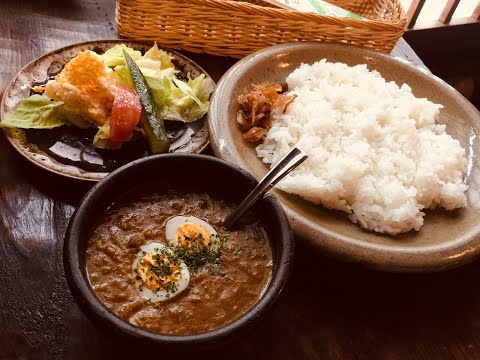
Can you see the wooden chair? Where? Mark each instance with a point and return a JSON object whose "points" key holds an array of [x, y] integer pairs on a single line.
{"points": [[445, 18], [449, 47]]}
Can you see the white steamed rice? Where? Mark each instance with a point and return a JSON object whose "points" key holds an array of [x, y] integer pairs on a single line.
{"points": [[374, 149]]}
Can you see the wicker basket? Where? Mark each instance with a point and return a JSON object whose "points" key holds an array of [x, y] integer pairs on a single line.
{"points": [[238, 28]]}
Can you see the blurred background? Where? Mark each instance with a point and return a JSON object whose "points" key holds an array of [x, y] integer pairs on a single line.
{"points": [[446, 36]]}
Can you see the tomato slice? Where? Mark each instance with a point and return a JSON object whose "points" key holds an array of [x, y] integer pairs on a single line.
{"points": [[125, 115]]}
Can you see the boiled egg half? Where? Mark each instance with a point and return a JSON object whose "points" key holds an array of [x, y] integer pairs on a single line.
{"points": [[191, 233], [159, 273]]}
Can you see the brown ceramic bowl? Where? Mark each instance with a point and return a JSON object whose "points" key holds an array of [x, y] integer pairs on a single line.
{"points": [[446, 240], [134, 176]]}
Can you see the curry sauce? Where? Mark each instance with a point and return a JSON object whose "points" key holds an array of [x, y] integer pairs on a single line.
{"points": [[219, 291]]}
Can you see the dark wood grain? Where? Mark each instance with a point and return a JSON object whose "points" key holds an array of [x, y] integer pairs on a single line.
{"points": [[329, 309]]}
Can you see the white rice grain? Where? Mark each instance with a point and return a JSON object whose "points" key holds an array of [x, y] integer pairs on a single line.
{"points": [[374, 149]]}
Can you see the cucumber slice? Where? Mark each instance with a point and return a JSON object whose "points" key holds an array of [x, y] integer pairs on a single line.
{"points": [[152, 124]]}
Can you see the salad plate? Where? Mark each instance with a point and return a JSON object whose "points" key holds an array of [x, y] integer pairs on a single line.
{"points": [[69, 150]]}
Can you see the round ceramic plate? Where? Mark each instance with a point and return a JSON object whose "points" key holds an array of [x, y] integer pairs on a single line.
{"points": [[68, 151], [447, 239]]}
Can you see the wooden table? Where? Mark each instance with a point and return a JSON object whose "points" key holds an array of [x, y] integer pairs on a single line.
{"points": [[329, 309]]}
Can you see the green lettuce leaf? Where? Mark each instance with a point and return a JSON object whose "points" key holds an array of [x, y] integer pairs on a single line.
{"points": [[122, 75], [75, 119], [175, 99], [114, 56], [101, 137], [35, 112], [156, 55], [161, 88], [187, 102], [154, 64]]}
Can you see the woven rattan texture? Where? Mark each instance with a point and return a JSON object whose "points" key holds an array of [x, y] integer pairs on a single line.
{"points": [[238, 28]]}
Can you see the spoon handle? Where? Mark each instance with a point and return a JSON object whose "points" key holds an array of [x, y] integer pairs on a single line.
{"points": [[289, 162]]}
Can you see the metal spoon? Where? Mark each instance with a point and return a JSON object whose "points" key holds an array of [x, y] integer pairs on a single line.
{"points": [[290, 161]]}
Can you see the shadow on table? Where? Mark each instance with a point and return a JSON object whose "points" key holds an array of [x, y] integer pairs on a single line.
{"points": [[16, 171]]}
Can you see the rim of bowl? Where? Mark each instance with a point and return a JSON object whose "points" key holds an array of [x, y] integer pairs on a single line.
{"points": [[94, 308]]}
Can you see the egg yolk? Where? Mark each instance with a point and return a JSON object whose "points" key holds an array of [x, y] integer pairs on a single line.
{"points": [[158, 271], [191, 235]]}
